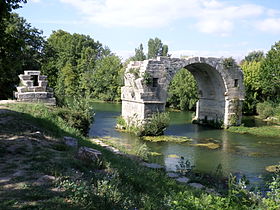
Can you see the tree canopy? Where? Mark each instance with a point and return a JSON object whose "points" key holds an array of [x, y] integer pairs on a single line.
{"points": [[21, 48]]}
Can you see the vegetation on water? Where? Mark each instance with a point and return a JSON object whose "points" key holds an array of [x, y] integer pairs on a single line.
{"points": [[154, 126], [178, 139], [265, 131]]}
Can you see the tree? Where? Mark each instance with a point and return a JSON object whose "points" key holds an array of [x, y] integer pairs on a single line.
{"points": [[270, 74], [156, 48], [182, 91], [252, 83], [106, 79], [64, 50], [254, 56], [139, 54], [21, 48]]}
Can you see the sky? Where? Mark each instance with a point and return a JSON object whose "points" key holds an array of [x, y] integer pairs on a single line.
{"points": [[217, 28]]}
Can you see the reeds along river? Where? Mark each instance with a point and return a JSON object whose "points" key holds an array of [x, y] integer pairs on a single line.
{"points": [[238, 154]]}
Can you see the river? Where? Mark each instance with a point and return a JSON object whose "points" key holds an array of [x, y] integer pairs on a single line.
{"points": [[239, 154]]}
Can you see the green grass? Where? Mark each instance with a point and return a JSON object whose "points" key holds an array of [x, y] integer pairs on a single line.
{"points": [[272, 131]]}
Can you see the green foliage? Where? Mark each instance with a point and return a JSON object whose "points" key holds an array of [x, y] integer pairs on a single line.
{"points": [[272, 201], [156, 124], [265, 109], [106, 80], [20, 48], [252, 83], [139, 54], [182, 91], [229, 63], [147, 78], [142, 151], [156, 48], [254, 56], [270, 74]]}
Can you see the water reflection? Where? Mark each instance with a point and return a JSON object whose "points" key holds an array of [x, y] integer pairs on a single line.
{"points": [[237, 153]]}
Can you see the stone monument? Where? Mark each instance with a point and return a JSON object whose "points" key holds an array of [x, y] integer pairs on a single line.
{"points": [[33, 88]]}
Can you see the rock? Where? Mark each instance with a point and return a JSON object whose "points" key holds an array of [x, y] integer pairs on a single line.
{"points": [[172, 175], [89, 154], [197, 185], [152, 165], [212, 191], [18, 174], [44, 180], [183, 179], [70, 141], [273, 168]]}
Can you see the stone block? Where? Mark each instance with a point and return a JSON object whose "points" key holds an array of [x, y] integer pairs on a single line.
{"points": [[24, 77], [43, 83], [22, 89], [30, 72], [42, 78], [89, 155], [70, 141], [41, 95]]}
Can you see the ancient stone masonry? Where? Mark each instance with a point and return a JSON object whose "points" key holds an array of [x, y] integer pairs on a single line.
{"points": [[33, 88], [220, 88]]}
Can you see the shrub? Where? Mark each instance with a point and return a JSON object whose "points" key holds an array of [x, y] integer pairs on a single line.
{"points": [[78, 113], [156, 125], [265, 109]]}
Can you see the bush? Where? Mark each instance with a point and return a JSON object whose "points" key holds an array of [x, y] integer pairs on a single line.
{"points": [[156, 125], [78, 113], [265, 109]]}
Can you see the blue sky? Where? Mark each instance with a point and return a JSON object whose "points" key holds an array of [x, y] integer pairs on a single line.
{"points": [[189, 27]]}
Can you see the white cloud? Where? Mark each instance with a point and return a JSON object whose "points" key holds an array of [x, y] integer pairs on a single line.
{"points": [[209, 16], [269, 25], [35, 1]]}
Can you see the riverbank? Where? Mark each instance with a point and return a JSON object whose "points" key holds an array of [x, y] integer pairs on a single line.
{"points": [[39, 171]]}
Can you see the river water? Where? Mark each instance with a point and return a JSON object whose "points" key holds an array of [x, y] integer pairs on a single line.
{"points": [[239, 154]]}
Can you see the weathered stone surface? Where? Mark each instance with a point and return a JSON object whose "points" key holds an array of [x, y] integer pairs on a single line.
{"points": [[197, 185], [172, 175], [153, 165], [89, 154], [45, 180], [70, 141], [221, 90], [34, 88], [183, 179]]}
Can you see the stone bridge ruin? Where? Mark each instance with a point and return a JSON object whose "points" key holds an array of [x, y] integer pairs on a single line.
{"points": [[220, 89]]}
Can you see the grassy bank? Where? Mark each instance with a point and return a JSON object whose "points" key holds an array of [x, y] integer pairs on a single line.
{"points": [[31, 148], [272, 131]]}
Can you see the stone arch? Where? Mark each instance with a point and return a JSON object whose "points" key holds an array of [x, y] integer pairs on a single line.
{"points": [[221, 89]]}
